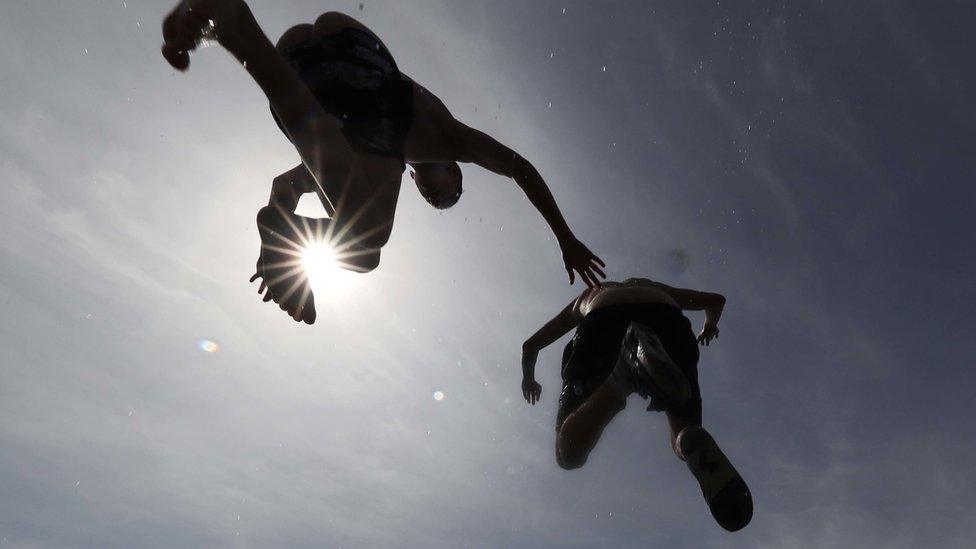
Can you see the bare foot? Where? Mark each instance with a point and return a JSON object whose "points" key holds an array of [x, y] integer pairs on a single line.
{"points": [[280, 267]]}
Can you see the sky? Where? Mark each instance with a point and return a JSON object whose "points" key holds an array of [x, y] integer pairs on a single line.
{"points": [[812, 162]]}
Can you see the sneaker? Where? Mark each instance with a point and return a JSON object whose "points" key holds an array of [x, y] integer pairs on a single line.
{"points": [[644, 363], [726, 494]]}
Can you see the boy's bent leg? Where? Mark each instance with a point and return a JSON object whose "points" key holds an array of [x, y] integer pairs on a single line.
{"points": [[580, 431], [681, 417], [636, 370]]}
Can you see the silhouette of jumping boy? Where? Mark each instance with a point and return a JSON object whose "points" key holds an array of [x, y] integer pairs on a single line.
{"points": [[356, 121], [631, 337]]}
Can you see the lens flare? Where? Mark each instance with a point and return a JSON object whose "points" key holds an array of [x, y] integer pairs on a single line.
{"points": [[208, 346]]}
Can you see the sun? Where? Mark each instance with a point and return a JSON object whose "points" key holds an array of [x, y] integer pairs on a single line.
{"points": [[319, 262]]}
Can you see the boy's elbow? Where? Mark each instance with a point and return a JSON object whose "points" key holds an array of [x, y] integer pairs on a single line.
{"points": [[521, 169]]}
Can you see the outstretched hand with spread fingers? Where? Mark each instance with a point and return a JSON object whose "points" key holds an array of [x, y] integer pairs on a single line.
{"points": [[579, 259]]}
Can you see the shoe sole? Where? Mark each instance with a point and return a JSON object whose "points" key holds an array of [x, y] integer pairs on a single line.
{"points": [[726, 493], [658, 375]]}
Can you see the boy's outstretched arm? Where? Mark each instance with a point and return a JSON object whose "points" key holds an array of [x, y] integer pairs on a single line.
{"points": [[314, 132], [693, 300], [482, 149], [565, 321]]}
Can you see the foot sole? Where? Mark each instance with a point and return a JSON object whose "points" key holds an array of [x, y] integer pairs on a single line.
{"points": [[281, 264], [726, 493]]}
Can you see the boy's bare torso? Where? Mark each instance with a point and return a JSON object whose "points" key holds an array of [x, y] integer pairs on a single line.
{"points": [[621, 293]]}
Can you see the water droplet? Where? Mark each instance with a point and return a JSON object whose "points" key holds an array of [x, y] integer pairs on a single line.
{"points": [[438, 396]]}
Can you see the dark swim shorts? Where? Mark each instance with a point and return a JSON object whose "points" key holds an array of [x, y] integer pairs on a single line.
{"points": [[592, 353], [354, 78]]}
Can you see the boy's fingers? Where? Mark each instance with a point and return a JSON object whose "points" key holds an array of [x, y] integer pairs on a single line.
{"points": [[586, 277]]}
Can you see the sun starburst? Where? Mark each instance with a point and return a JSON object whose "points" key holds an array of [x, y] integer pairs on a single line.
{"points": [[304, 255]]}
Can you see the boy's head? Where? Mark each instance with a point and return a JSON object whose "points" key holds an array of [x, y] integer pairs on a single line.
{"points": [[439, 183]]}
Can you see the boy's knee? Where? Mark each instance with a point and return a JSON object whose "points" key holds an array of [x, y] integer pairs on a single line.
{"points": [[332, 21], [570, 464], [568, 458], [295, 35], [689, 439]]}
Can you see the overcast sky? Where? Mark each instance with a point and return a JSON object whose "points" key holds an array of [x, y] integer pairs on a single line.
{"points": [[813, 163]]}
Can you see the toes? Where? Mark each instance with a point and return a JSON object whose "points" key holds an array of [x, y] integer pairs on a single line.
{"points": [[308, 315]]}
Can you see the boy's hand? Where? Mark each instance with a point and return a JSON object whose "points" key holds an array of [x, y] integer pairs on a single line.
{"points": [[185, 26], [579, 259], [709, 332], [531, 390]]}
